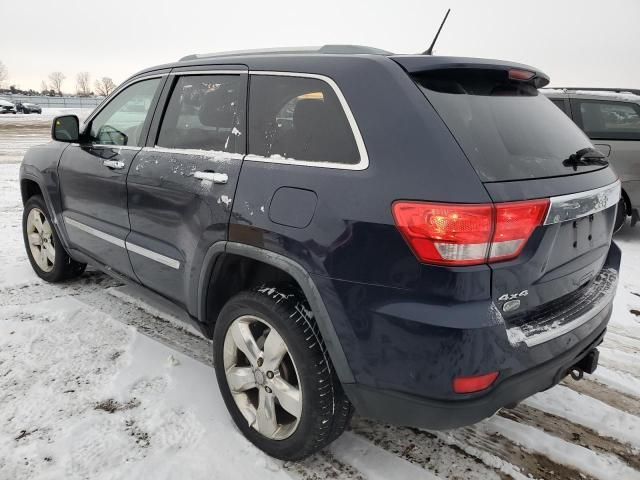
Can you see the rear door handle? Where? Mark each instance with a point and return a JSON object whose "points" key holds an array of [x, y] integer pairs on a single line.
{"points": [[212, 177], [113, 164]]}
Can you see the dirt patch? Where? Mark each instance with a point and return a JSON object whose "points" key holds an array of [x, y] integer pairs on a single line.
{"points": [[113, 406], [571, 432], [24, 434], [142, 438]]}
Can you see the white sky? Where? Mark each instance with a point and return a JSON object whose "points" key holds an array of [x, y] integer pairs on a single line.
{"points": [[577, 43]]}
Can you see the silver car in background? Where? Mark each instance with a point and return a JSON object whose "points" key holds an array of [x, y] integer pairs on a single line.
{"points": [[611, 119], [7, 107]]}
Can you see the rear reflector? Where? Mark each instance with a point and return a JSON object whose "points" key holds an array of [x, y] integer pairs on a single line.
{"points": [[467, 234], [474, 384]]}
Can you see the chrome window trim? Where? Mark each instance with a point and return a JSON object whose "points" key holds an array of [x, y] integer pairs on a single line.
{"points": [[186, 73], [564, 208], [215, 154], [168, 261], [363, 164], [113, 95], [119, 147], [95, 232]]}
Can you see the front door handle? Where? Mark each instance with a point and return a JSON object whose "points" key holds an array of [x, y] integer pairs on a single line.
{"points": [[113, 164], [212, 177]]}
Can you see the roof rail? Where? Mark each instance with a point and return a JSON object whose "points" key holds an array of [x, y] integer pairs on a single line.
{"points": [[326, 49], [635, 91]]}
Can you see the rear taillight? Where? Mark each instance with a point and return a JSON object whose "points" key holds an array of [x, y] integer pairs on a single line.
{"points": [[467, 234]]}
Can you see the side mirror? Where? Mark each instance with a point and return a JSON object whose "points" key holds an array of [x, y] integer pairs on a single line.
{"points": [[66, 128]]}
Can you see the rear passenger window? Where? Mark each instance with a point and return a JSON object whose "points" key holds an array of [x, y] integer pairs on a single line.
{"points": [[299, 118], [205, 112], [610, 120]]}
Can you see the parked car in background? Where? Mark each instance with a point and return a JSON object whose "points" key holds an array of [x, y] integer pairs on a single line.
{"points": [[611, 119], [28, 108], [425, 250], [7, 107]]}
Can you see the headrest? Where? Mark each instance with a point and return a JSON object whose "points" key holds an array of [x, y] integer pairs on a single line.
{"points": [[311, 113], [216, 110]]}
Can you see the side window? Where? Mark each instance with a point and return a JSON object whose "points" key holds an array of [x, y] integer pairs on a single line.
{"points": [[121, 121], [560, 103], [205, 112], [298, 119], [609, 120]]}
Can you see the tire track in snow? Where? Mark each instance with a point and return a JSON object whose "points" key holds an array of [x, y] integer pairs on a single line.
{"points": [[425, 450], [604, 393], [571, 432], [589, 412], [497, 451], [554, 449], [321, 466], [38, 291]]}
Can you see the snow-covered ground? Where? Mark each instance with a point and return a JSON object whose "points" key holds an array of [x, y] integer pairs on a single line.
{"points": [[19, 132], [95, 383]]}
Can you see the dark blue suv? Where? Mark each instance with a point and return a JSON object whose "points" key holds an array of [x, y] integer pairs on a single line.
{"points": [[422, 239]]}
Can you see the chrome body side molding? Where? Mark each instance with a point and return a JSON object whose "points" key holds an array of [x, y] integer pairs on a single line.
{"points": [[131, 247]]}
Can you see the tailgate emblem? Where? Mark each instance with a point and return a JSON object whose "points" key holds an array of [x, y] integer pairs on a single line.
{"points": [[513, 296], [512, 300], [511, 305]]}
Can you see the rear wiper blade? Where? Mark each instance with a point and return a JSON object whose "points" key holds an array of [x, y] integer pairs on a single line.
{"points": [[585, 156]]}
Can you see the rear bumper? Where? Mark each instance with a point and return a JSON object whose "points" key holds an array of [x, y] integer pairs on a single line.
{"points": [[405, 349], [404, 409]]}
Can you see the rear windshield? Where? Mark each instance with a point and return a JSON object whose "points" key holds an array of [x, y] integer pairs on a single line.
{"points": [[507, 129]]}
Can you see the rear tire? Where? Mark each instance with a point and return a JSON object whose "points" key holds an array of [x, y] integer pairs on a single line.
{"points": [[323, 410], [45, 251]]}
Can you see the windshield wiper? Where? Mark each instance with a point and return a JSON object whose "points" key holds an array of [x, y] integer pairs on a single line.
{"points": [[585, 156]]}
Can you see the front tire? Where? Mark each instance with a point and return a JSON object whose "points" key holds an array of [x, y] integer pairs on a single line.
{"points": [[45, 251], [275, 376]]}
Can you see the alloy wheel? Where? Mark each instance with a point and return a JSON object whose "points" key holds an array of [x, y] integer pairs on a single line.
{"points": [[262, 377], [41, 241]]}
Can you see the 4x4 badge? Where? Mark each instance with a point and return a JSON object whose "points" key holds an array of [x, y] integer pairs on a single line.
{"points": [[513, 296]]}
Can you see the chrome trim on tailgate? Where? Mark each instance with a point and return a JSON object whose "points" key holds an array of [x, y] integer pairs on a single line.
{"points": [[538, 333], [578, 205]]}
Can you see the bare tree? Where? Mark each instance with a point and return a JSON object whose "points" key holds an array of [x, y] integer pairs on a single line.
{"points": [[56, 79], [4, 73], [44, 87], [105, 86], [82, 84]]}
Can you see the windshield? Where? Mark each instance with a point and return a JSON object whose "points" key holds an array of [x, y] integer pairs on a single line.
{"points": [[507, 129]]}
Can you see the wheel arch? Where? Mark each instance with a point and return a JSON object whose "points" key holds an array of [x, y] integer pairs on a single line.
{"points": [[231, 267], [29, 188]]}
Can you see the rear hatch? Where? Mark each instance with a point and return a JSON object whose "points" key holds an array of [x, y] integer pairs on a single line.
{"points": [[523, 148]]}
